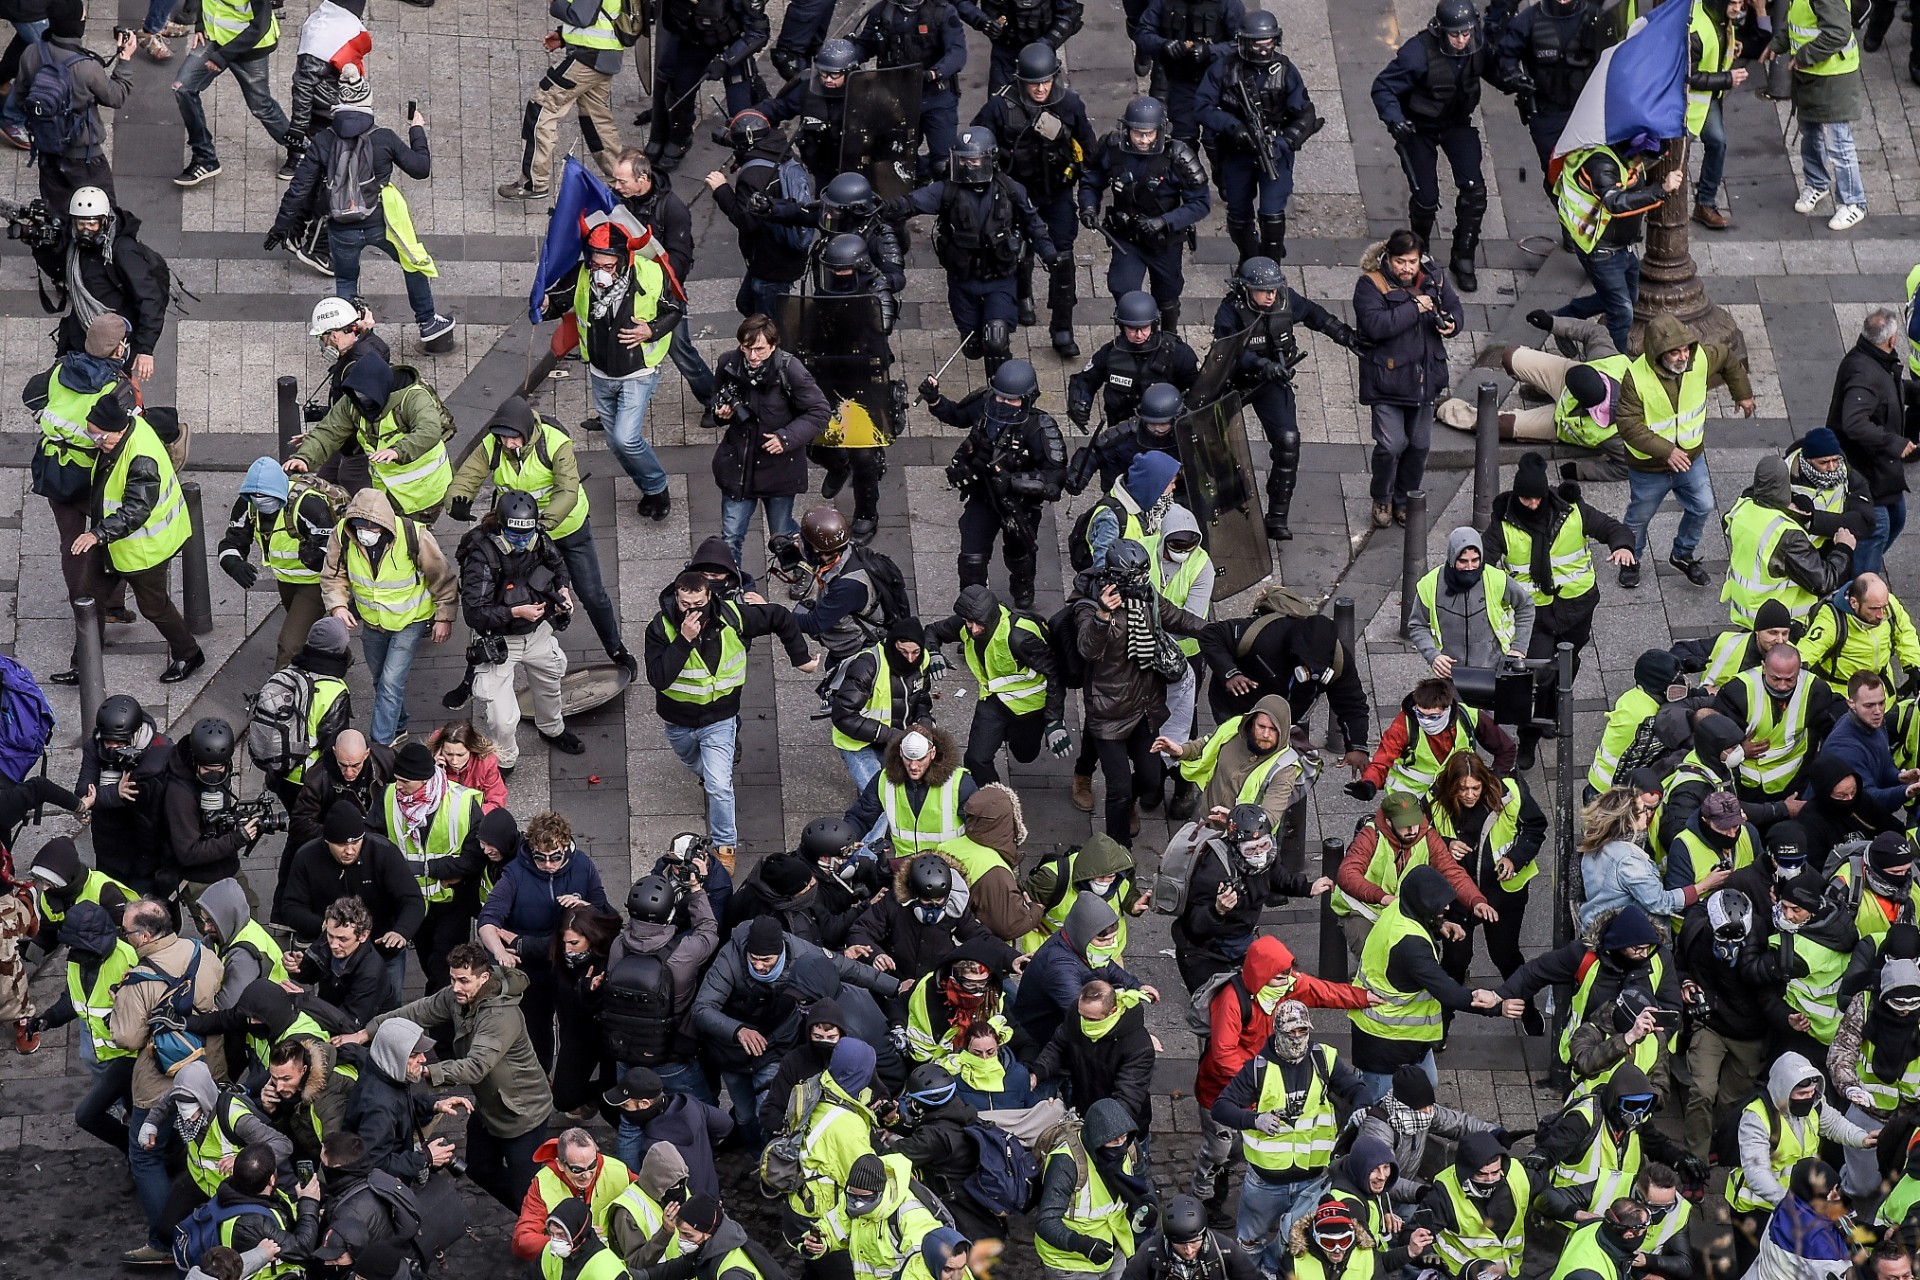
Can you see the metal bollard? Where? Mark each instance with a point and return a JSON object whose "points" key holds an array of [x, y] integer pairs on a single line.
{"points": [[1563, 843], [1293, 840], [1343, 631], [287, 395], [1334, 965], [1413, 555], [88, 661], [196, 597], [1486, 455]]}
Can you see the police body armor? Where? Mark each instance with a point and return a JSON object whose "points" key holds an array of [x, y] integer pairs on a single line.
{"points": [[1138, 183], [1559, 56], [979, 243], [1131, 370], [907, 36], [1270, 333], [821, 126], [1267, 87], [1450, 90], [1046, 168], [711, 24], [1027, 21], [1198, 20]]}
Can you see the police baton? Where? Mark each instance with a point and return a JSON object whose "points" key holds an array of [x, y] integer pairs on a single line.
{"points": [[935, 375]]}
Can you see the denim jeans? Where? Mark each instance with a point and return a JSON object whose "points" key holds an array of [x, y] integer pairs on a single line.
{"points": [[708, 754], [346, 242], [151, 1184], [157, 13], [1615, 275], [1713, 156], [736, 514], [397, 977], [692, 365], [11, 111], [1402, 436], [862, 765], [389, 657], [1829, 161], [109, 1082], [1267, 1214], [589, 588], [687, 1078], [622, 406], [1889, 518], [748, 1090], [1692, 487], [1380, 1083], [251, 75]]}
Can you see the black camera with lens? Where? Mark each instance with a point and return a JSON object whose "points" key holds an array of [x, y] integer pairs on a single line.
{"points": [[32, 224], [263, 808], [733, 396], [457, 1167], [786, 557]]}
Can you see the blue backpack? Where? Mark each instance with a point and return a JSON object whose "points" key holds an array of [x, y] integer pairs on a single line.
{"points": [[173, 1045], [1007, 1179], [53, 121], [26, 721], [199, 1231], [796, 184]]}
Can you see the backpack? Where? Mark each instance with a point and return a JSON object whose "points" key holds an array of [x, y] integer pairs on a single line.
{"points": [[55, 123], [1007, 1178], [349, 175], [1269, 605], [889, 589], [1177, 865], [173, 1045], [632, 23], [1726, 1128], [796, 184], [199, 1231], [277, 717], [1062, 635], [26, 721], [637, 1014], [780, 1171], [1200, 1006]]}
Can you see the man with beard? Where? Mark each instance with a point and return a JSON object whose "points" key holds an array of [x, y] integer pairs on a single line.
{"points": [[1248, 760], [1468, 613]]}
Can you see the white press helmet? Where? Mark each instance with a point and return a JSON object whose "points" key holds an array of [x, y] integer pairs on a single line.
{"points": [[90, 202], [330, 314]]}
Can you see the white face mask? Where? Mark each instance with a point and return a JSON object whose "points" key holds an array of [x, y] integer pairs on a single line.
{"points": [[560, 1246], [1735, 758], [1177, 555], [366, 537], [602, 278], [1432, 722]]}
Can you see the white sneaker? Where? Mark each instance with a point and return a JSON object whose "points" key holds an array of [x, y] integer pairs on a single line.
{"points": [[1809, 200], [1847, 215]]}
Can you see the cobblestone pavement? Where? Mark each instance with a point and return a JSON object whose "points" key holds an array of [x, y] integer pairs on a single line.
{"points": [[1797, 291]]}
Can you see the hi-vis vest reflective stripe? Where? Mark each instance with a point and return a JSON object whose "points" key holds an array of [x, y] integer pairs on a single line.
{"points": [[1803, 27], [1493, 583], [1582, 211], [1177, 588], [1578, 426], [1753, 535], [1095, 1212], [1400, 1015], [1583, 995], [165, 529], [1817, 995], [613, 1179], [216, 1142], [1130, 526], [601, 34], [1690, 769], [95, 1004], [224, 20], [526, 472], [936, 821], [446, 832], [1633, 709], [63, 423], [1497, 836], [1729, 657], [699, 684], [647, 1216], [1419, 764], [1789, 1149], [96, 883], [1685, 426], [280, 548], [1383, 869], [1307, 1140], [1605, 1169], [1784, 732], [1884, 1095], [1716, 56], [606, 1264], [414, 486], [1702, 859], [1569, 561], [879, 704], [1199, 771], [395, 596], [1471, 1237], [326, 691], [1021, 690], [648, 281]]}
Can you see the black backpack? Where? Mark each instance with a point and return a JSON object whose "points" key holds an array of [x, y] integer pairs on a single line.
{"points": [[890, 601], [53, 121], [1063, 635], [637, 1014], [1079, 549]]}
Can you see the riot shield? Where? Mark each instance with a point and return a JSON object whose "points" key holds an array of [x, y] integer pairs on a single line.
{"points": [[879, 133], [1216, 371], [1221, 493], [841, 342]]}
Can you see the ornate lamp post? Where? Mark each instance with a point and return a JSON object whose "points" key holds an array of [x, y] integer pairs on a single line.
{"points": [[1670, 281]]}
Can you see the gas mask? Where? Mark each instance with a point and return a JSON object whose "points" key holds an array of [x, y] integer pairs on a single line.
{"points": [[1257, 853], [1633, 1110], [1431, 722], [1727, 940], [929, 913], [1301, 675]]}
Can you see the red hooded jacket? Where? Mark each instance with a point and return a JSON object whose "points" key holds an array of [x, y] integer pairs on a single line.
{"points": [[530, 1231], [1235, 1040]]}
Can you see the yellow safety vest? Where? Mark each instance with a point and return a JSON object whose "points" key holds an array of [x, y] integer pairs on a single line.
{"points": [[1784, 732], [648, 1217], [1021, 690], [1816, 996], [395, 596], [1789, 1148], [326, 691], [698, 683], [612, 1183], [1753, 535], [1497, 836], [1885, 1096], [1493, 584], [599, 35], [922, 828], [1419, 764], [1837, 644], [1199, 770], [1633, 709], [1307, 1140], [414, 486], [1584, 1252], [1702, 858], [1729, 657], [1582, 211], [90, 890], [1362, 1264], [446, 832], [280, 540], [1578, 426], [216, 1142], [1875, 915], [1401, 1015], [528, 472], [1684, 427], [648, 281], [1569, 562], [1832, 499], [879, 703], [254, 937], [224, 20], [1471, 1237], [1716, 56], [1913, 348], [1177, 588], [165, 529], [1383, 869], [94, 1004], [1605, 1169], [606, 1264], [1095, 1212], [63, 423], [1690, 769], [1803, 27]]}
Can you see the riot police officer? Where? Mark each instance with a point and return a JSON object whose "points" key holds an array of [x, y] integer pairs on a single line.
{"points": [[984, 223], [1043, 132], [1255, 109], [1159, 191], [1012, 26], [819, 102], [1545, 57], [700, 40], [1426, 97], [1140, 354], [847, 206], [846, 268], [1260, 301], [925, 34], [1012, 462], [1111, 452], [1183, 37]]}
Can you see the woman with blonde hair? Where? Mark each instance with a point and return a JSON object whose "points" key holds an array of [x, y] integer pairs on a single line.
{"points": [[469, 758], [1615, 870]]}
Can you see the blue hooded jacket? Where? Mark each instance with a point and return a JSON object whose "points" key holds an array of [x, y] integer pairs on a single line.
{"points": [[527, 898]]}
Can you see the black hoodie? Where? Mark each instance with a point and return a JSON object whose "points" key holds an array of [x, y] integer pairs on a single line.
{"points": [[1414, 965], [127, 834], [310, 180], [1566, 1136], [1277, 650], [199, 856]]}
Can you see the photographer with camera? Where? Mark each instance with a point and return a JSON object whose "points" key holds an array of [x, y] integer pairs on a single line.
{"points": [[70, 145], [769, 409], [96, 264], [208, 829], [515, 591], [653, 971]]}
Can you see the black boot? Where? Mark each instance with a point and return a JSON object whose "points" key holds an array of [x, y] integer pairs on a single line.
{"points": [[1062, 332], [1020, 574], [1217, 1216], [1170, 317], [1245, 238], [973, 570], [1465, 242], [1273, 237], [1185, 799], [1024, 299], [1280, 484], [1420, 220]]}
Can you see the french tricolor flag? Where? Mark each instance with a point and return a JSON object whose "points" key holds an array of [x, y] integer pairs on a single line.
{"points": [[1638, 86]]}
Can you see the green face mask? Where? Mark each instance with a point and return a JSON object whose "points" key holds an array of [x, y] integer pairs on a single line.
{"points": [[1098, 954]]}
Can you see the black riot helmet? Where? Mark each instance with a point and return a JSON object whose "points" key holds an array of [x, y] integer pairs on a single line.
{"points": [[974, 157], [210, 747], [747, 131], [1016, 379], [1141, 116], [836, 58], [827, 838], [1136, 309], [929, 878], [1260, 273], [930, 1086], [1160, 403], [1037, 64], [118, 719], [845, 252], [1259, 39], [1455, 17], [651, 900], [1185, 1220], [850, 192]]}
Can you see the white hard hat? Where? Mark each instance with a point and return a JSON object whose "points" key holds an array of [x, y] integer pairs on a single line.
{"points": [[89, 202], [330, 314]]}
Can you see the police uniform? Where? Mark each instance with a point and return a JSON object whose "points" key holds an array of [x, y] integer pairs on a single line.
{"points": [[1113, 450], [980, 237], [864, 466], [821, 115], [926, 35], [1011, 25], [1153, 200], [1427, 96], [1031, 458], [1284, 119], [1184, 38], [1122, 372], [1049, 169], [1546, 55], [694, 34]]}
